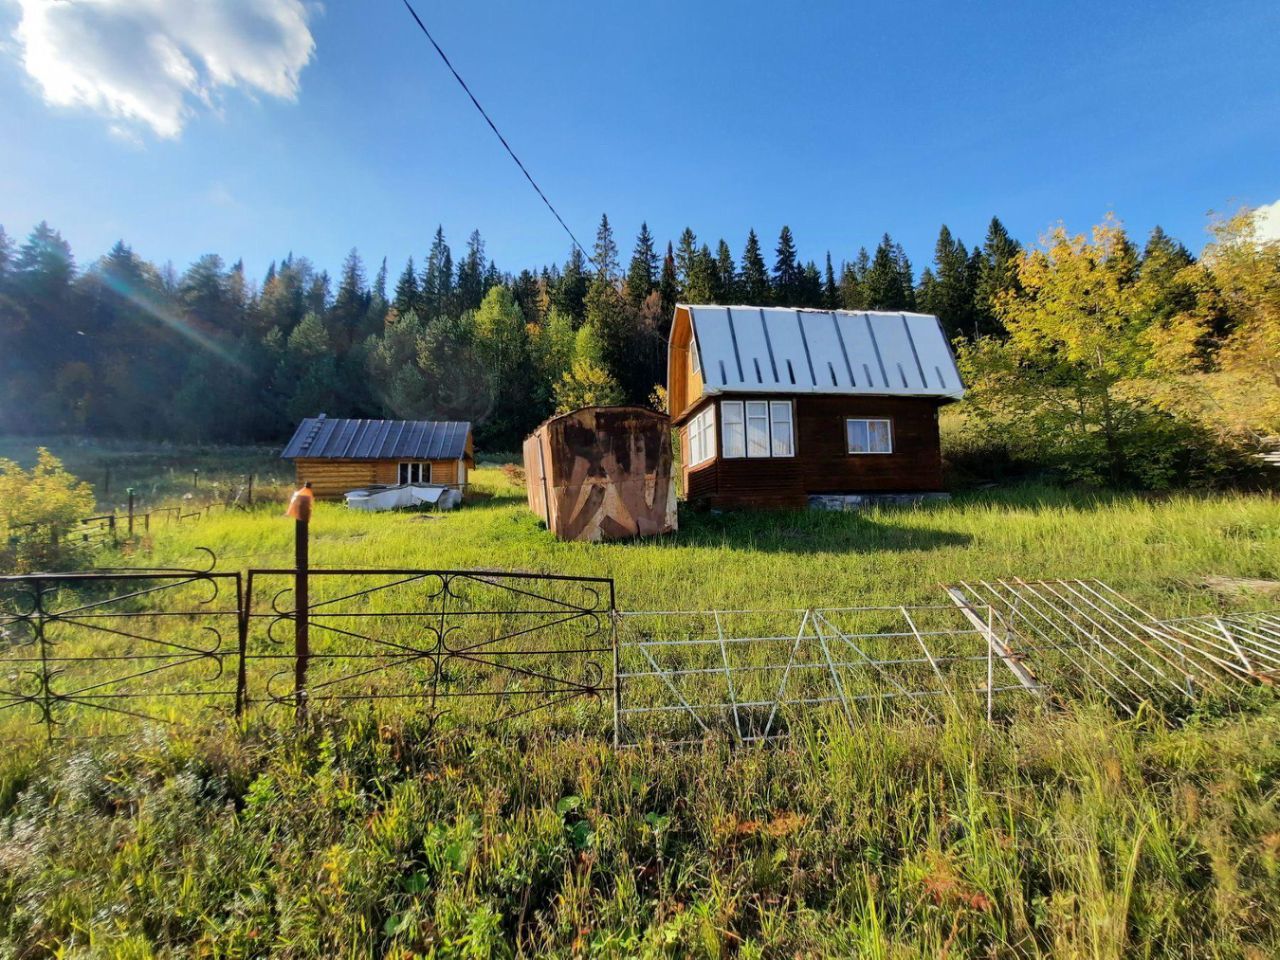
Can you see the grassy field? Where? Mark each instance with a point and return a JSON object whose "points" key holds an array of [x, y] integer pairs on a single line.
{"points": [[1054, 833]]}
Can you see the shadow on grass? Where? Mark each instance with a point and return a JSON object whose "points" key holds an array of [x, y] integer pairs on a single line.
{"points": [[808, 531]]}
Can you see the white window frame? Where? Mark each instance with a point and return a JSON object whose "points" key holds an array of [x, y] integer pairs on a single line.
{"points": [[758, 413], [735, 428], [887, 421], [694, 359], [702, 436], [775, 408], [414, 471]]}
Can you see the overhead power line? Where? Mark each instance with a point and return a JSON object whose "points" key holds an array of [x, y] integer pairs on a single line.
{"points": [[496, 132]]}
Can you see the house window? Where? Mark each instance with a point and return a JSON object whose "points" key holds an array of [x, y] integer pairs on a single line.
{"points": [[702, 437], [694, 359], [757, 428], [780, 428], [734, 428], [870, 435], [415, 473]]}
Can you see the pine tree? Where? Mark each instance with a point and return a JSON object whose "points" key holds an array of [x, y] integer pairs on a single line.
{"points": [[528, 293], [407, 299], [726, 285], [755, 279], [810, 286], [642, 274], [852, 294], [787, 274], [605, 254]]}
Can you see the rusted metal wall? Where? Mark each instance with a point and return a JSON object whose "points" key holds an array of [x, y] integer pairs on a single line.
{"points": [[602, 473]]}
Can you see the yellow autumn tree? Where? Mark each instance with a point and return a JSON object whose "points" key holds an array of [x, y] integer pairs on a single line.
{"points": [[1074, 384], [35, 506]]}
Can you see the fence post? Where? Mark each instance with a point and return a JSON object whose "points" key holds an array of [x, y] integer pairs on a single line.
{"points": [[195, 479], [300, 510], [249, 496], [111, 526], [130, 492]]}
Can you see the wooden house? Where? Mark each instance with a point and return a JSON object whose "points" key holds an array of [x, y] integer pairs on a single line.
{"points": [[341, 455], [776, 406], [602, 473]]}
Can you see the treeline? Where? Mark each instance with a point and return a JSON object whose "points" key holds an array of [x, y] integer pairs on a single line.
{"points": [[1114, 361], [129, 348]]}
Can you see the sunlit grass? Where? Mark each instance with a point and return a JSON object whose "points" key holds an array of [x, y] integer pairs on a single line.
{"points": [[1052, 833]]}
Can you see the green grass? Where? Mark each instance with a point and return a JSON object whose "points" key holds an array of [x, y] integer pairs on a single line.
{"points": [[1053, 833]]}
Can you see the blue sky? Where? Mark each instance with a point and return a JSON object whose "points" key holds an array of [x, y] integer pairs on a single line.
{"points": [[842, 120]]}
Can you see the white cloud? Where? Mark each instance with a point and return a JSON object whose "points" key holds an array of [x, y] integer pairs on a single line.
{"points": [[153, 62], [1266, 220]]}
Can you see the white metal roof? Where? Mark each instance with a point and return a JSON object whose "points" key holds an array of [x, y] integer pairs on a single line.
{"points": [[781, 350]]}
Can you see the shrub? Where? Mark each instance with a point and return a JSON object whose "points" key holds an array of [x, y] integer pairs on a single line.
{"points": [[37, 507]]}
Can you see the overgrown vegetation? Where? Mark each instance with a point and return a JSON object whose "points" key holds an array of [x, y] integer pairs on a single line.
{"points": [[1057, 834], [37, 509], [1128, 369]]}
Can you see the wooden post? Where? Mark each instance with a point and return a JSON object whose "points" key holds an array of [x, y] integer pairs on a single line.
{"points": [[130, 511], [301, 623], [111, 526], [300, 509], [249, 495], [195, 479]]}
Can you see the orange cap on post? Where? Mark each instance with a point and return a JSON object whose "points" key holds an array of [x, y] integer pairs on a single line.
{"points": [[300, 503]]}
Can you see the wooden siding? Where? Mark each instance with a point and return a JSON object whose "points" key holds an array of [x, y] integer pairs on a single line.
{"points": [[822, 463], [330, 479], [686, 384]]}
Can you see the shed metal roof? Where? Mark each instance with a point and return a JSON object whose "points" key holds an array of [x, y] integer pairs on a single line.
{"points": [[334, 439], [783, 350]]}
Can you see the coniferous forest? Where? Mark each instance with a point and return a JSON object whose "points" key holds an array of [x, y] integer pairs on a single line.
{"points": [[120, 347]]}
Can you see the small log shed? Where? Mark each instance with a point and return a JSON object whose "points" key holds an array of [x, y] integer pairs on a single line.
{"points": [[338, 455], [602, 473]]}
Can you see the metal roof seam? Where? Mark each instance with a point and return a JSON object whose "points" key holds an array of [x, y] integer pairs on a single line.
{"points": [[914, 352], [804, 340]]}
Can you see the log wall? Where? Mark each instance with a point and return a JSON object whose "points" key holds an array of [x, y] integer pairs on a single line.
{"points": [[330, 479]]}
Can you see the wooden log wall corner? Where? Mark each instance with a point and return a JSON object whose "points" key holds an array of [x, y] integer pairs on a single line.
{"points": [[602, 473]]}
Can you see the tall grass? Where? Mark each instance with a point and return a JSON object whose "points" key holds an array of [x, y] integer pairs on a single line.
{"points": [[1049, 834]]}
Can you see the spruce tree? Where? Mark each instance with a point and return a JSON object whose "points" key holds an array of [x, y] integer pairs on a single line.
{"points": [[905, 277], [669, 284], [951, 296], [726, 285], [471, 274], [571, 290], [852, 295], [436, 294], [810, 286], [407, 298], [997, 275], [754, 282], [882, 285], [605, 254], [701, 284], [787, 278], [686, 257], [642, 274], [830, 292]]}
